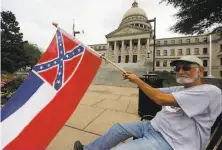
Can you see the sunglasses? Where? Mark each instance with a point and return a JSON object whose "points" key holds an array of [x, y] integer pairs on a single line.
{"points": [[185, 68]]}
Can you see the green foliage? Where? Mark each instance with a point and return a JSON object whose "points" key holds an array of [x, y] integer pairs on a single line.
{"points": [[13, 55], [9, 85], [33, 52], [169, 78], [16, 53], [196, 16]]}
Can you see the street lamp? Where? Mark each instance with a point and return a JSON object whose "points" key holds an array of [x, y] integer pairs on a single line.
{"points": [[75, 32], [154, 41]]}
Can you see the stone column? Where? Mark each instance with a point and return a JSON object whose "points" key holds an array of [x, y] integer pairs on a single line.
{"points": [[115, 52], [131, 52], [148, 47], [108, 50], [122, 53], [138, 50]]}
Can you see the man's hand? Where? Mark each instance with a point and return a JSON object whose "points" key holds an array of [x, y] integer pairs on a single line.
{"points": [[155, 94], [132, 77]]}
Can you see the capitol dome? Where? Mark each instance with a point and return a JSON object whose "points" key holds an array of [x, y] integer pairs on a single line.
{"points": [[135, 11], [135, 16]]}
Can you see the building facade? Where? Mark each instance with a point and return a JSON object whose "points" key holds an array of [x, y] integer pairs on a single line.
{"points": [[132, 42]]}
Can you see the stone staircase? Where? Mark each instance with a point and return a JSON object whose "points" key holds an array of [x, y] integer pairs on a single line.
{"points": [[108, 75]]}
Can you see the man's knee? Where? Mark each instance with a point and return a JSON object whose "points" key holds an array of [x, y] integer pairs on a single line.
{"points": [[116, 127]]}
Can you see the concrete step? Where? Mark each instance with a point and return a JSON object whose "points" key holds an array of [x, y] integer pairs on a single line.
{"points": [[113, 77]]}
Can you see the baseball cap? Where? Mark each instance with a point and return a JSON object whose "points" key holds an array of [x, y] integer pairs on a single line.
{"points": [[189, 59]]}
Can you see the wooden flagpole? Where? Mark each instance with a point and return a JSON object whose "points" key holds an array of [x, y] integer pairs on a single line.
{"points": [[101, 55]]}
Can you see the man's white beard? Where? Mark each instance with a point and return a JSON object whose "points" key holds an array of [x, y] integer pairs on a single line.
{"points": [[186, 80]]}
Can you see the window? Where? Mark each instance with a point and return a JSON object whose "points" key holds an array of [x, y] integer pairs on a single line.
{"points": [[134, 58], [157, 63], [205, 40], [180, 52], [126, 58], [158, 52], [165, 52], [112, 47], [158, 42], [196, 51], [180, 41], [221, 61], [165, 42], [119, 59], [188, 40], [164, 63], [188, 51], [204, 50], [143, 44], [172, 41], [205, 73], [205, 63], [220, 47], [172, 51], [120, 46], [196, 40]]}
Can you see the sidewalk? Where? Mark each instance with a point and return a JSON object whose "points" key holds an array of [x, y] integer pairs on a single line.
{"points": [[101, 107]]}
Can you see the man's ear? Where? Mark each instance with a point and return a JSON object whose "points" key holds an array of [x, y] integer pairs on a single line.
{"points": [[201, 71]]}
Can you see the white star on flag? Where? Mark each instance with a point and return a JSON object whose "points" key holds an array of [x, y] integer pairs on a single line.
{"points": [[58, 81], [41, 67]]}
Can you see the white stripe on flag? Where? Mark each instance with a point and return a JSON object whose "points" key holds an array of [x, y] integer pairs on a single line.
{"points": [[14, 124]]}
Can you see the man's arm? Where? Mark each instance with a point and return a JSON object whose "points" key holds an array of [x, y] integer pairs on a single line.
{"points": [[156, 95]]}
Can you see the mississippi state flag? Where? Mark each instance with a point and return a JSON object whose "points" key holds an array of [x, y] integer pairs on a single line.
{"points": [[50, 94]]}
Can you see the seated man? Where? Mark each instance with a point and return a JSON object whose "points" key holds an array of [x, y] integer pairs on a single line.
{"points": [[184, 123]]}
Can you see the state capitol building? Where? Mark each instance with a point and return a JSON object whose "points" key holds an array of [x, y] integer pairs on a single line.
{"points": [[132, 42]]}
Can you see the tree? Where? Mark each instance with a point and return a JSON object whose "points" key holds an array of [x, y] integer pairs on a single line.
{"points": [[197, 16], [13, 54], [34, 53]]}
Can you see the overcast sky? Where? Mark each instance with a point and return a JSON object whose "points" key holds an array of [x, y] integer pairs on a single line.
{"points": [[96, 17]]}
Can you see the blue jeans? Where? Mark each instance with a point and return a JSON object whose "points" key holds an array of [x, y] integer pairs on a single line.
{"points": [[147, 138]]}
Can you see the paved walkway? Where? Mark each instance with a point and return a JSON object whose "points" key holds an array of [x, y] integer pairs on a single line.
{"points": [[101, 107]]}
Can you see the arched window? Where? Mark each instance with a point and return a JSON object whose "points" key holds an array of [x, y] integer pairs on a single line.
{"points": [[164, 63], [157, 63]]}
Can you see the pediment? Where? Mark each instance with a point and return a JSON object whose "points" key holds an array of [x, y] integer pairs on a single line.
{"points": [[126, 31]]}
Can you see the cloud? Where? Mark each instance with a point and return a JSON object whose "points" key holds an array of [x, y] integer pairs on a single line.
{"points": [[96, 17]]}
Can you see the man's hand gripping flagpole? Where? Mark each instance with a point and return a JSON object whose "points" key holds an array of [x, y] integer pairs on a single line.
{"points": [[101, 55]]}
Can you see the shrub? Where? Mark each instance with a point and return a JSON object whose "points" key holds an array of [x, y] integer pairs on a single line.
{"points": [[169, 78], [9, 84]]}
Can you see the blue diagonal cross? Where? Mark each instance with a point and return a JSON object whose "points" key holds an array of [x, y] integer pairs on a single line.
{"points": [[59, 62]]}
